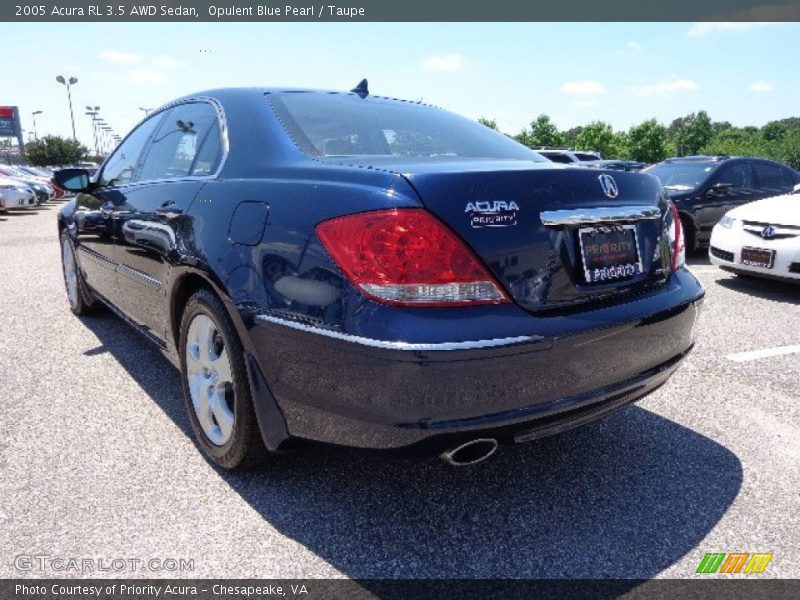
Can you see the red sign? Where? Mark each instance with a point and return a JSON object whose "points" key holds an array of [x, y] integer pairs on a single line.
{"points": [[6, 111]]}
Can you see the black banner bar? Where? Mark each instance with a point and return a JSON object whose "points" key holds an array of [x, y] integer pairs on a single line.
{"points": [[397, 10], [401, 589]]}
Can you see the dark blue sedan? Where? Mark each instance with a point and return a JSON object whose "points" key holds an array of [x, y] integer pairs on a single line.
{"points": [[365, 271]]}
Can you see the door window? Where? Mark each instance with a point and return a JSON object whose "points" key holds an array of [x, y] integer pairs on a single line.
{"points": [[121, 166], [186, 144], [737, 175]]}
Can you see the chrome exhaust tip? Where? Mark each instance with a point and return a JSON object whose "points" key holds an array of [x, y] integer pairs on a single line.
{"points": [[470, 453]]}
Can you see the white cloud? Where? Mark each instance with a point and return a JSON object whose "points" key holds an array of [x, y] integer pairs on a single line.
{"points": [[666, 88], [761, 87], [125, 58], [146, 76], [633, 46], [705, 28], [585, 88], [166, 62], [444, 62], [584, 103]]}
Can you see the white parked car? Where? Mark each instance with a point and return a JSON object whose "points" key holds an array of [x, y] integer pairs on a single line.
{"points": [[760, 238], [17, 194]]}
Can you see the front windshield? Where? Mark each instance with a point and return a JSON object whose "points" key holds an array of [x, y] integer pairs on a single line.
{"points": [[681, 176], [347, 125]]}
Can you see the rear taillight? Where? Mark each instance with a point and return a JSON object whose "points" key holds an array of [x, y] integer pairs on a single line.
{"points": [[408, 257], [677, 242]]}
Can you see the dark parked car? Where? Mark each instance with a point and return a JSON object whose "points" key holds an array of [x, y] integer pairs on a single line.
{"points": [[383, 274], [706, 187]]}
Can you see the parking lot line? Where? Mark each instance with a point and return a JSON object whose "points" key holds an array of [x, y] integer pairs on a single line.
{"points": [[764, 353]]}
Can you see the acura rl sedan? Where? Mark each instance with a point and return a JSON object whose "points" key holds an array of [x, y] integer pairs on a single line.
{"points": [[370, 272]]}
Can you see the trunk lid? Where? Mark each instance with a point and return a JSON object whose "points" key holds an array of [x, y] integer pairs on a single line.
{"points": [[524, 219]]}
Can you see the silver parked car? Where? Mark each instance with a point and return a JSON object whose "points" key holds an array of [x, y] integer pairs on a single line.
{"points": [[17, 194]]}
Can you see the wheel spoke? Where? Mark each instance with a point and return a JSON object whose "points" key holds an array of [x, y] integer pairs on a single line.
{"points": [[223, 414], [207, 339], [223, 367], [202, 404]]}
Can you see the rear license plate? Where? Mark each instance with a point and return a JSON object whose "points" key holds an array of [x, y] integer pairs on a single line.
{"points": [[758, 257], [609, 253]]}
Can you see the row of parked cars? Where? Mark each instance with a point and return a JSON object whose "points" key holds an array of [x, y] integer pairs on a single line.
{"points": [[24, 187]]}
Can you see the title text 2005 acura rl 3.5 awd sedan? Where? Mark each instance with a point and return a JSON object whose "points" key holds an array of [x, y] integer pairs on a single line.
{"points": [[365, 271]]}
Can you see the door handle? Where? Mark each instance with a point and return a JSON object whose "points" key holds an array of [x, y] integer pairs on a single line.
{"points": [[169, 210]]}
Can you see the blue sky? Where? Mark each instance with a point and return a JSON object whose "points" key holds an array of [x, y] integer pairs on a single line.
{"points": [[746, 73]]}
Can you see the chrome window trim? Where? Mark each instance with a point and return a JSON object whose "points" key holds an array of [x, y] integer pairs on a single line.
{"points": [[222, 122], [396, 345], [605, 214]]}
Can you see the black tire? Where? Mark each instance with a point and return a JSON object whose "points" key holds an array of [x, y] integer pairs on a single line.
{"points": [[82, 302], [689, 234], [245, 448]]}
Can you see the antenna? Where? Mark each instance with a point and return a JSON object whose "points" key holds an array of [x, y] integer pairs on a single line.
{"points": [[362, 89]]}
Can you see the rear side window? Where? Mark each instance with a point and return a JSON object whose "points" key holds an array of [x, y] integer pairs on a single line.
{"points": [[186, 144], [119, 170], [773, 176], [345, 125], [586, 156], [558, 157]]}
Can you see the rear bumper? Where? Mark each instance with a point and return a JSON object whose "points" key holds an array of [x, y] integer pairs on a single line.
{"points": [[341, 389]]}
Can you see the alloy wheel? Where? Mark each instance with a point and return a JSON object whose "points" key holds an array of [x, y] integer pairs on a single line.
{"points": [[210, 379]]}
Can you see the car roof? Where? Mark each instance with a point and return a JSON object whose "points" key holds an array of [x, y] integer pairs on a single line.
{"points": [[700, 158]]}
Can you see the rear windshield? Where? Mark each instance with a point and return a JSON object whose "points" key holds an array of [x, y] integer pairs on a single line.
{"points": [[682, 176], [324, 124]]}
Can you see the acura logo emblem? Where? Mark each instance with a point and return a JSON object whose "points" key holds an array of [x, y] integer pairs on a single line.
{"points": [[768, 232], [609, 186]]}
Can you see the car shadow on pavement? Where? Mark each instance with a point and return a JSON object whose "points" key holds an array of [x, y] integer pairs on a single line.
{"points": [[768, 289], [625, 497], [698, 258]]}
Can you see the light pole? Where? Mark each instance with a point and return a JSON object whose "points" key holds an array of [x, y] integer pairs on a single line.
{"points": [[94, 111], [101, 134], [69, 83], [147, 111], [107, 129], [33, 114]]}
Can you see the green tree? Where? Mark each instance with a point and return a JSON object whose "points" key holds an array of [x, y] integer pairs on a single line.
{"points": [[737, 141], [788, 149], [490, 123], [54, 150], [774, 131], [693, 133], [647, 142], [543, 132], [598, 136], [571, 136]]}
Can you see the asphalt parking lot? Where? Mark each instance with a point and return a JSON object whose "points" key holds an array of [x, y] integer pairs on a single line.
{"points": [[96, 460]]}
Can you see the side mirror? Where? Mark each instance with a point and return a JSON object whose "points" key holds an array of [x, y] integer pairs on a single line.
{"points": [[72, 180], [720, 189]]}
